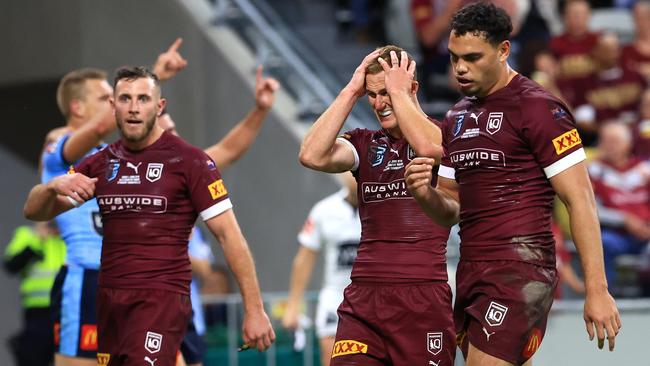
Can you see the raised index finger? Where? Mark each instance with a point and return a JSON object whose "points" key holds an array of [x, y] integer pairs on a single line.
{"points": [[177, 43], [258, 75]]}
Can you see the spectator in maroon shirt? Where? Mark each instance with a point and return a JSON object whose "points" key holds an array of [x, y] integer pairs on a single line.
{"points": [[573, 48], [636, 56]]}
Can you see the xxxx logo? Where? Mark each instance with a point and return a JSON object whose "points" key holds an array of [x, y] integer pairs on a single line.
{"points": [[103, 358], [566, 141], [348, 347], [534, 341]]}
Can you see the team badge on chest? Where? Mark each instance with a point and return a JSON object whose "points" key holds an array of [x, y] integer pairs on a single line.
{"points": [[494, 122], [154, 171]]}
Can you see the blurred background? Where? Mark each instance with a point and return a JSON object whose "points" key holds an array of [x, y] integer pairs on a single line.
{"points": [[595, 55]]}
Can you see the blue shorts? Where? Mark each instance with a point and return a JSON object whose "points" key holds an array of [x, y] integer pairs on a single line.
{"points": [[73, 309], [193, 346]]}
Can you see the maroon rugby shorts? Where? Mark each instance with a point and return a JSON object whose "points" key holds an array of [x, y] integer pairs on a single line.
{"points": [[140, 327], [402, 324], [502, 307]]}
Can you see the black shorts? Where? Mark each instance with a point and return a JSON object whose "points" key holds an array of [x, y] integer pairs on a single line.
{"points": [[193, 346]]}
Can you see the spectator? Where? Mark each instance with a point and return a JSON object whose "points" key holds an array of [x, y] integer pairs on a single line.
{"points": [[622, 186], [613, 93], [36, 254], [642, 128], [636, 55], [573, 48], [431, 21]]}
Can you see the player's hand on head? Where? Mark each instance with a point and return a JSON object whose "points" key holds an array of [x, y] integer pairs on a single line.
{"points": [[76, 186], [357, 83], [399, 75], [602, 318], [257, 331], [265, 89], [170, 62], [418, 176]]}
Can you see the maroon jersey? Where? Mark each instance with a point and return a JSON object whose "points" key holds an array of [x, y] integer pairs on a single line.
{"points": [[574, 61], [641, 131], [398, 240], [613, 94], [624, 189], [633, 59], [149, 200], [574, 55], [502, 150]]}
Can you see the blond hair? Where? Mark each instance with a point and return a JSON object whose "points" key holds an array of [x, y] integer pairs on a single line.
{"points": [[73, 87]]}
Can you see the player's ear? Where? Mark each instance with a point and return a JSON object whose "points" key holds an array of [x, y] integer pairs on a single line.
{"points": [[415, 86], [504, 50], [162, 102], [77, 108]]}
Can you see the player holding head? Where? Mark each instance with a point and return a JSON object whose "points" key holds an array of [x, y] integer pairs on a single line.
{"points": [[151, 186], [397, 310], [510, 146]]}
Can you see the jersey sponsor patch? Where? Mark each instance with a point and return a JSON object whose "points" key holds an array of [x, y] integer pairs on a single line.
{"points": [[347, 253], [378, 191], [133, 203], [348, 347], [533, 343], [434, 342], [88, 341], [217, 189], [566, 141], [103, 358]]}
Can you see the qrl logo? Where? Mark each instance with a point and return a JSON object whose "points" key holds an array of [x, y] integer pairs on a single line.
{"points": [[494, 122], [495, 314], [434, 342], [154, 171], [153, 342]]}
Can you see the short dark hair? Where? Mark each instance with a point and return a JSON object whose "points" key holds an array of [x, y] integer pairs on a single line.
{"points": [[483, 18], [374, 67], [135, 72]]}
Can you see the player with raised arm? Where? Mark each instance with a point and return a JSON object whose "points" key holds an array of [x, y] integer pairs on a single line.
{"points": [[151, 186], [397, 310], [510, 146]]}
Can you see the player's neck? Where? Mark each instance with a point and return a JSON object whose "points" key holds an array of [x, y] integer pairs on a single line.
{"points": [[507, 75], [155, 134], [74, 123]]}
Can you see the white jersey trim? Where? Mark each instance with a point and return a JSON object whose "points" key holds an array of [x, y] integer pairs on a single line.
{"points": [[447, 172], [354, 151], [216, 209], [565, 163]]}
